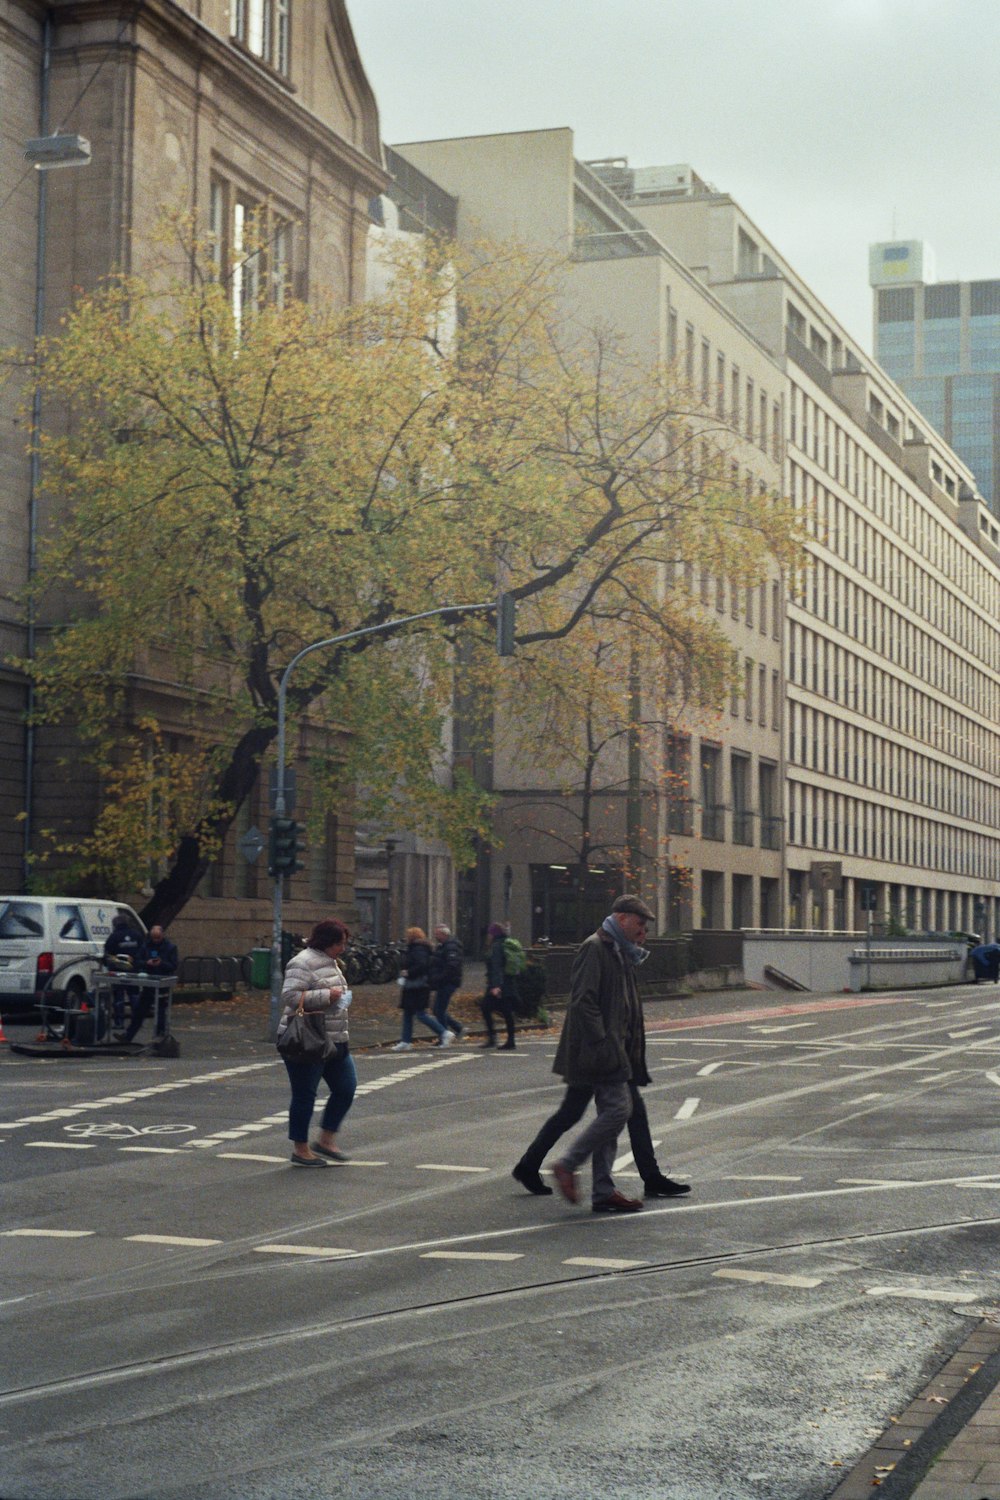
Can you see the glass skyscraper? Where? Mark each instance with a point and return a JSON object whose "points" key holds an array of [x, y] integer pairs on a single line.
{"points": [[940, 341]]}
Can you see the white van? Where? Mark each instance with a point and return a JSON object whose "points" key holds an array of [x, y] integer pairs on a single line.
{"points": [[52, 938]]}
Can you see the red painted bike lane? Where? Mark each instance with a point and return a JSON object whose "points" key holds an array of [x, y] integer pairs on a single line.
{"points": [[768, 1013]]}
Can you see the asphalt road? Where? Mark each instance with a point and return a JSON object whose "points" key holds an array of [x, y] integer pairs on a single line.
{"points": [[185, 1315]]}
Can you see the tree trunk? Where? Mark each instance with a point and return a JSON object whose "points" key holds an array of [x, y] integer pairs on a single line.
{"points": [[235, 783]]}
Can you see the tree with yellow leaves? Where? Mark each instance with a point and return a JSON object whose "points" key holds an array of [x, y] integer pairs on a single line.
{"points": [[231, 488]]}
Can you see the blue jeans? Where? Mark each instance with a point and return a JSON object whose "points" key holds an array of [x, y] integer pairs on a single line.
{"points": [[341, 1079], [409, 1016], [442, 995]]}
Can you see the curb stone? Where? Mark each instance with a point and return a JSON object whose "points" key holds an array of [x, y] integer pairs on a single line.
{"points": [[901, 1458]]}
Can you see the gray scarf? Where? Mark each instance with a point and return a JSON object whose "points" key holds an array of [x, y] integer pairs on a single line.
{"points": [[631, 951]]}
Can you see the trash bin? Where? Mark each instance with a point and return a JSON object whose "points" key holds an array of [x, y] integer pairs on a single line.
{"points": [[260, 968]]}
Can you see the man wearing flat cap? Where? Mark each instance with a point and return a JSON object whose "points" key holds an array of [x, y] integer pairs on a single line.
{"points": [[603, 1048]]}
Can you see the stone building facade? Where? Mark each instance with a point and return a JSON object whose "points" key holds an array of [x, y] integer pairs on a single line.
{"points": [[230, 109]]}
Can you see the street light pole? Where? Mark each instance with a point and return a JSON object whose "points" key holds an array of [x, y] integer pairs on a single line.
{"points": [[279, 796]]}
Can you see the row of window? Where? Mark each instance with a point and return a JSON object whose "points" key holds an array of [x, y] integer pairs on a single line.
{"points": [[819, 742], [755, 820], [725, 392], [869, 620], [835, 823], [880, 696], [900, 575], [762, 604], [749, 692], [907, 512]]}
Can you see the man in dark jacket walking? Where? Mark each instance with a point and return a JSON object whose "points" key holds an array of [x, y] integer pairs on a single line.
{"points": [[603, 1047], [446, 975]]}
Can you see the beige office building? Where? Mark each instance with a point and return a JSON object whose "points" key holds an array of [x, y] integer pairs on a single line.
{"points": [[860, 762], [712, 828], [893, 632]]}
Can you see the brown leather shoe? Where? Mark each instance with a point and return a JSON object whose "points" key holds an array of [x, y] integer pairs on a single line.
{"points": [[617, 1204], [566, 1182]]}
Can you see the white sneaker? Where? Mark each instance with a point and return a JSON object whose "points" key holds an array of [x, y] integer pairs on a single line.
{"points": [[402, 1047], [447, 1037]]}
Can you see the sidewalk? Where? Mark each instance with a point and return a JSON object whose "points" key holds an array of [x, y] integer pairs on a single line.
{"points": [[946, 1444]]}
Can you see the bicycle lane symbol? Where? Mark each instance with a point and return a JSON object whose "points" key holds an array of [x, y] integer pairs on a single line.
{"points": [[111, 1131]]}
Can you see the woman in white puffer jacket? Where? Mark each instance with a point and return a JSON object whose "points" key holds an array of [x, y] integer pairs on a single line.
{"points": [[315, 978]]}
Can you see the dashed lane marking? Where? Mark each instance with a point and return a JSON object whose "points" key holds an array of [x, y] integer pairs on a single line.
{"points": [[62, 1145], [878, 1181], [48, 1234], [247, 1156], [864, 1099], [170, 1239], [434, 1166], [470, 1255], [156, 1150], [791, 1026], [770, 1278], [603, 1264], [329, 1252], [921, 1294], [759, 1177], [687, 1109], [970, 1031]]}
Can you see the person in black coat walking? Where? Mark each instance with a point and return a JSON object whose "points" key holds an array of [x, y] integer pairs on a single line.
{"points": [[415, 992], [446, 975], [501, 989]]}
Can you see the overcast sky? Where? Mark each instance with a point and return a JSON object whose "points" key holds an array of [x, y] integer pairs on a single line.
{"points": [[832, 122]]}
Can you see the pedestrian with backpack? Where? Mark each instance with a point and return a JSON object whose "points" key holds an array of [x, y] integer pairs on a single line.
{"points": [[502, 994]]}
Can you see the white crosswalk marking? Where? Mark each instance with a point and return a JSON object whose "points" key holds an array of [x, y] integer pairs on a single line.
{"points": [[148, 1093], [687, 1109], [370, 1086]]}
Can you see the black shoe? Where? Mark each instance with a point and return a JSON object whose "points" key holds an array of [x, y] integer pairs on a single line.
{"points": [[507, 1047], [666, 1187], [119, 1036], [490, 1041], [531, 1180]]}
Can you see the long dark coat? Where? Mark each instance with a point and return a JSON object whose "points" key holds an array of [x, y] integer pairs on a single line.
{"points": [[603, 1037]]}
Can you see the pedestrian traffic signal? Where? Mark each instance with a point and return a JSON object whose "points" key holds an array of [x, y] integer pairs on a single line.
{"points": [[284, 847]]}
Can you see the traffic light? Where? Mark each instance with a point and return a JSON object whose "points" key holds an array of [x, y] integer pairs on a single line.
{"points": [[506, 604], [284, 847]]}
